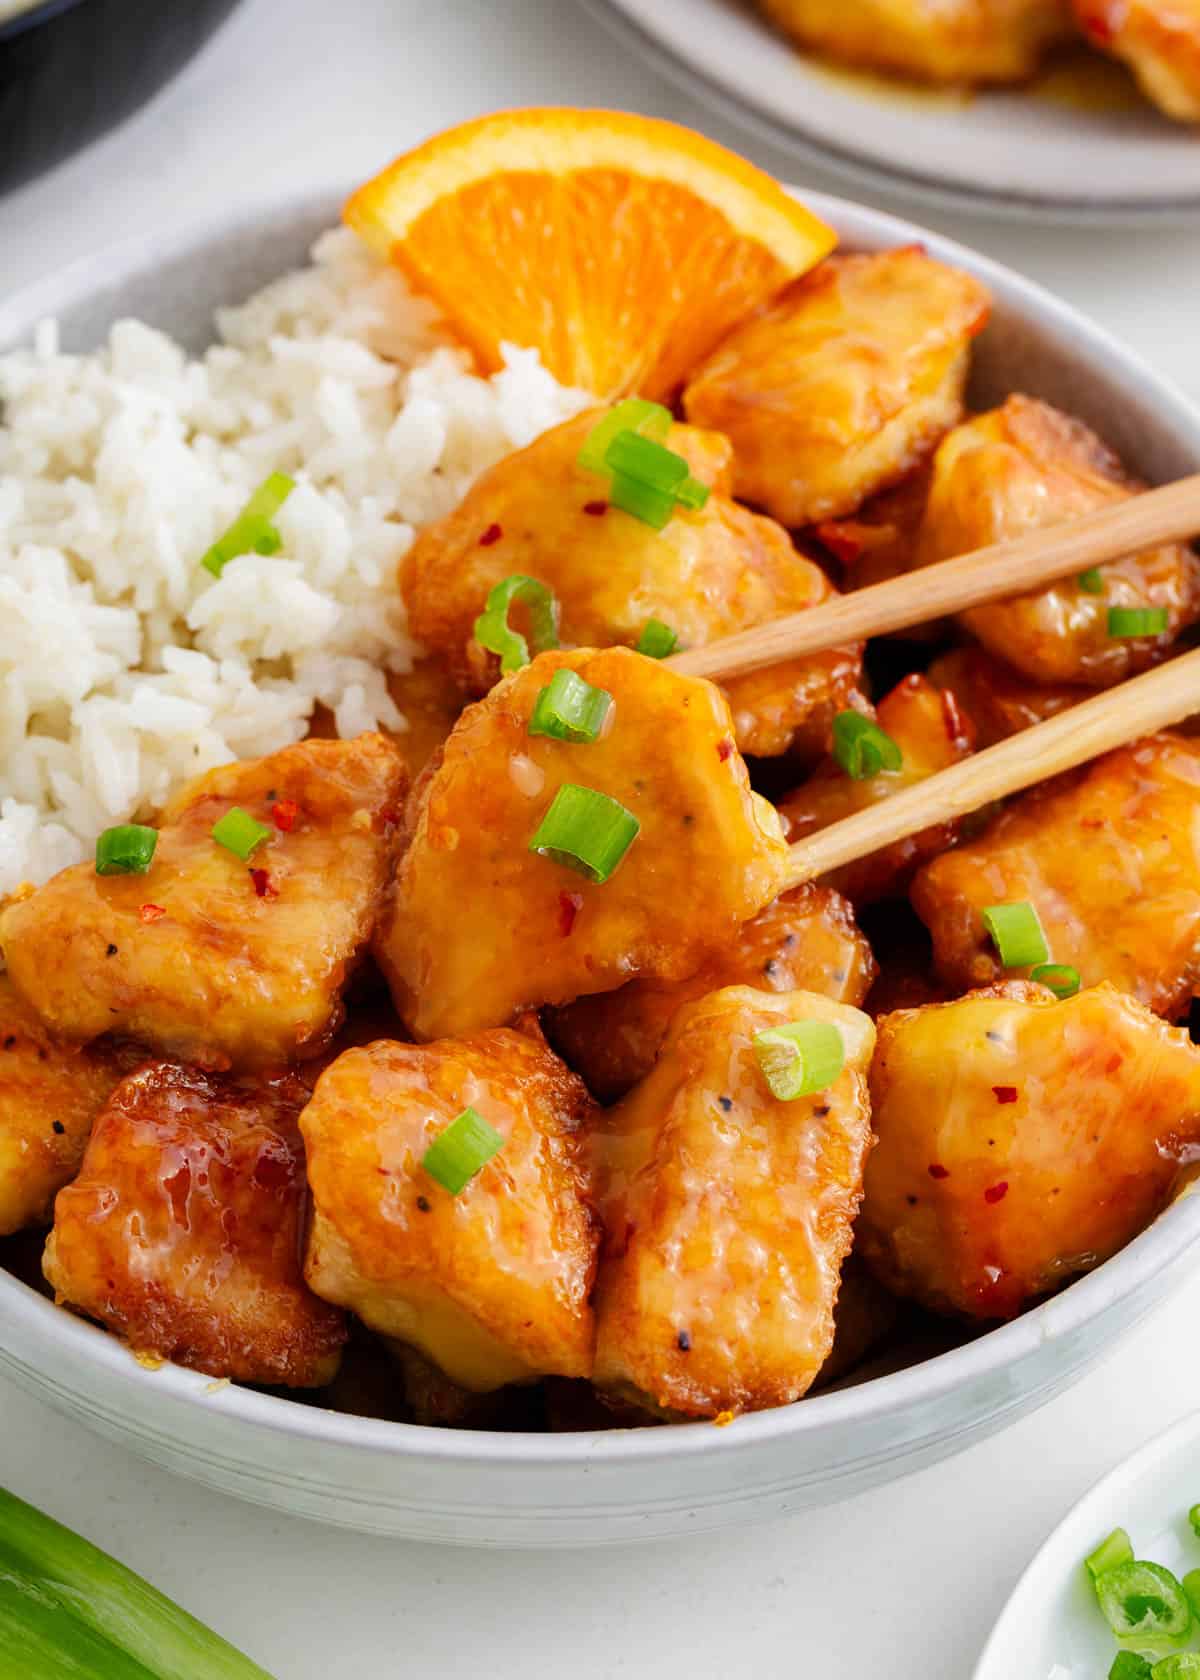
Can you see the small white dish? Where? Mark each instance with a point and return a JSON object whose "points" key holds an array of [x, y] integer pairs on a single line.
{"points": [[1079, 145], [1051, 1627]]}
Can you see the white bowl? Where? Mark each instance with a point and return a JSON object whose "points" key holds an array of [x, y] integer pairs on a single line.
{"points": [[480, 1488]]}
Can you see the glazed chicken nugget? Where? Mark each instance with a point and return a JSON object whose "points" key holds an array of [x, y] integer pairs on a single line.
{"points": [[1160, 42], [492, 1284], [182, 1232], [844, 385], [728, 1212], [478, 926], [998, 700], [1021, 1141], [222, 960], [805, 941]]}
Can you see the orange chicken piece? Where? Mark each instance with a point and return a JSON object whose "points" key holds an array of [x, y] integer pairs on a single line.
{"points": [[998, 700], [1160, 42]]}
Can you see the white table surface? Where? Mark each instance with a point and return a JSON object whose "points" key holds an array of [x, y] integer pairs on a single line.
{"points": [[903, 1582]]}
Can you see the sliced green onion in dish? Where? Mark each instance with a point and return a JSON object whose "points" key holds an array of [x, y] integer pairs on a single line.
{"points": [[1179, 1665], [586, 831], [862, 748], [1091, 581], [1017, 934], [125, 850], [631, 455], [657, 640], [1143, 1600], [1191, 1586], [653, 507], [252, 532], [240, 833], [569, 709], [801, 1058], [457, 1154], [1137, 621], [692, 495], [1194, 1520], [493, 631], [635, 414], [1129, 1665], [1117, 1548], [1061, 978], [68, 1611]]}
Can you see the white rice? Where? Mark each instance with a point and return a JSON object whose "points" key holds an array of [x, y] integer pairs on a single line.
{"points": [[125, 667]]}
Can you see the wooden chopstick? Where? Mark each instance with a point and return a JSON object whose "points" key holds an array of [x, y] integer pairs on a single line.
{"points": [[1138, 707], [1168, 514]]}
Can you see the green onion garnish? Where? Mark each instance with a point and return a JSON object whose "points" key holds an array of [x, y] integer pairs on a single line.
{"points": [[1061, 978], [1143, 1599], [1137, 621], [692, 494], [635, 414], [657, 640], [1179, 1665], [653, 507], [800, 1058], [1116, 1549], [1194, 1520], [252, 532], [569, 709], [125, 850], [1091, 581], [586, 831], [1017, 934], [457, 1154], [1191, 1586], [493, 631], [1128, 1665], [862, 748], [240, 833], [630, 455]]}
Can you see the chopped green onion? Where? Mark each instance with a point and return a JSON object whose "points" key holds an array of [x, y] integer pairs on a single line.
{"points": [[569, 709], [1143, 1600], [862, 748], [1091, 581], [1180, 1665], [653, 507], [586, 831], [630, 455], [1137, 621], [493, 631], [635, 414], [1117, 1548], [126, 849], [68, 1609], [240, 833], [1128, 1665], [692, 494], [252, 532], [1194, 1520], [1061, 978], [1017, 934], [657, 640], [800, 1058], [457, 1154], [1191, 1586]]}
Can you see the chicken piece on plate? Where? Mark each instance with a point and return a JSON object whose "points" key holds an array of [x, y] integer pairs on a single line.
{"points": [[182, 1231], [806, 941], [998, 700], [50, 1094], [1021, 1141], [930, 40], [728, 1212], [478, 926], [844, 385], [932, 733], [1109, 858], [492, 1284], [221, 961], [1016, 469], [706, 574], [1160, 42]]}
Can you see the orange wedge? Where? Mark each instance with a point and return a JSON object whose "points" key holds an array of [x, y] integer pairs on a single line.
{"points": [[621, 247]]}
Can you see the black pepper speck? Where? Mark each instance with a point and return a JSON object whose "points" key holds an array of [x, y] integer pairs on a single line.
{"points": [[111, 952], [58, 1126], [683, 1342], [726, 1103], [422, 1204]]}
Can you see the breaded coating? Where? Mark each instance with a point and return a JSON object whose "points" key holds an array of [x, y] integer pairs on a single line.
{"points": [[1017, 469], [1021, 1141], [805, 941], [221, 962], [182, 1232], [952, 41], [1160, 42], [844, 385], [1110, 859], [492, 1284], [728, 1213], [477, 926], [708, 573], [998, 700], [50, 1094], [932, 733]]}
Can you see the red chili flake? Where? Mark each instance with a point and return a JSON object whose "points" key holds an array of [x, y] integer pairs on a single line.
{"points": [[1113, 1062], [284, 813], [996, 1192], [1096, 25], [151, 912], [391, 816], [960, 731], [1004, 1093], [491, 535], [843, 538], [569, 906], [724, 749], [596, 509], [938, 1171], [262, 884]]}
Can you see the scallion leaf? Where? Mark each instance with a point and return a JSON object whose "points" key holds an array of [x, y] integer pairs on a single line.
{"points": [[1136, 621], [634, 414], [127, 849], [1061, 978], [240, 833], [800, 1058], [1178, 1665], [691, 494], [1017, 934], [1129, 1665], [1191, 1586], [1194, 1520], [586, 831], [1143, 1599], [1091, 581], [493, 631], [862, 748], [569, 709], [630, 455], [252, 532], [457, 1154], [653, 507], [1114, 1549], [657, 640]]}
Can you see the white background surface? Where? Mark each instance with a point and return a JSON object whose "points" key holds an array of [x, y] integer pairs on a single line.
{"points": [[902, 1583]]}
